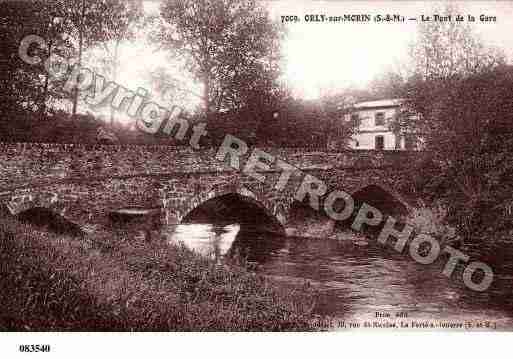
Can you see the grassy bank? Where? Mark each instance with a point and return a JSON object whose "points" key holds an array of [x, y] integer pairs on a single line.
{"points": [[58, 282]]}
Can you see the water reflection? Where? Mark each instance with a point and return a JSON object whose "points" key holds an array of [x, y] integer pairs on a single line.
{"points": [[210, 240], [355, 276]]}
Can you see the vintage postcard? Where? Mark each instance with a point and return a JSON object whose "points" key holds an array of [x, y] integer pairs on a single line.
{"points": [[255, 166]]}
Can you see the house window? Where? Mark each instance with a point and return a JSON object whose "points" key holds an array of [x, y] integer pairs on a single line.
{"points": [[379, 119], [379, 142]]}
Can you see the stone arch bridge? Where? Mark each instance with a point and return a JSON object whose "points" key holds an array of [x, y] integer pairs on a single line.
{"points": [[87, 183]]}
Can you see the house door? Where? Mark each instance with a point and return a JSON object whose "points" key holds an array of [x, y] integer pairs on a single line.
{"points": [[379, 142]]}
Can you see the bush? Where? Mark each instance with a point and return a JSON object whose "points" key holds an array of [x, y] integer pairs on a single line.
{"points": [[466, 122], [433, 221]]}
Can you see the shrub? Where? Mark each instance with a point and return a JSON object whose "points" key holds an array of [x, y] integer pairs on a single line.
{"points": [[433, 221]]}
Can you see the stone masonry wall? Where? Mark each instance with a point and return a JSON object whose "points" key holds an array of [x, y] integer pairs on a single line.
{"points": [[85, 182], [25, 163]]}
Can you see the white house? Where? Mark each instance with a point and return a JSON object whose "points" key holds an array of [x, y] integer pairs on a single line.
{"points": [[373, 131]]}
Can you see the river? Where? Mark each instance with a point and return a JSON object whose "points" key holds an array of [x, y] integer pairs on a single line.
{"points": [[357, 277]]}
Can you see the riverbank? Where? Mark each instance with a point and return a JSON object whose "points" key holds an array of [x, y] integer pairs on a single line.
{"points": [[51, 282]]}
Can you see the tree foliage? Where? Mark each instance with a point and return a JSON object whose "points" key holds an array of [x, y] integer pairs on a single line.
{"points": [[231, 47], [94, 22], [461, 93], [24, 86], [126, 20], [448, 48]]}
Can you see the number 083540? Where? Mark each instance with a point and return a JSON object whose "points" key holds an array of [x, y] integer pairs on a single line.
{"points": [[37, 348]]}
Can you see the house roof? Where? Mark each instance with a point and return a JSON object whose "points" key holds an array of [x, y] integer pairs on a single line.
{"points": [[379, 103]]}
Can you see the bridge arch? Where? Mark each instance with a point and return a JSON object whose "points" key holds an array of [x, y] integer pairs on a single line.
{"points": [[382, 197], [49, 218], [44, 203], [235, 202], [29, 199]]}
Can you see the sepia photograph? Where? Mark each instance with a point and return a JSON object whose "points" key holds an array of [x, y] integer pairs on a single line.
{"points": [[328, 168]]}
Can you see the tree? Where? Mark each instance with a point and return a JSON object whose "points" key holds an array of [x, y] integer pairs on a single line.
{"points": [[124, 20], [460, 92], [444, 55], [389, 84], [91, 22], [55, 31], [229, 46], [16, 21], [28, 87], [448, 48], [472, 148], [336, 108], [170, 89]]}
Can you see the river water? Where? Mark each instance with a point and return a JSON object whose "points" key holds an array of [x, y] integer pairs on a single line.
{"points": [[357, 277]]}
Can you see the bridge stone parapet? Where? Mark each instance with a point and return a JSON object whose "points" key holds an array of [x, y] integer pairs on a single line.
{"points": [[26, 163]]}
